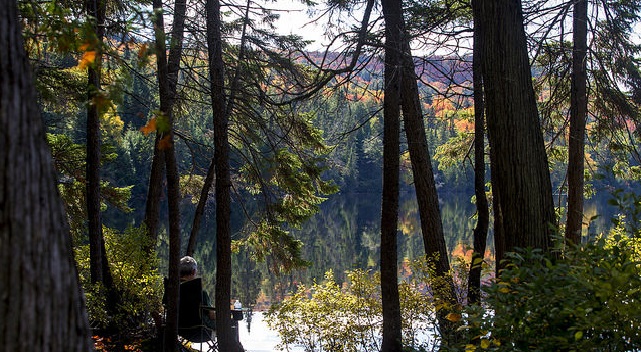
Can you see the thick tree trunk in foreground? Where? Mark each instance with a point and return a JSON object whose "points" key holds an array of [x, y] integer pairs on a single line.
{"points": [[520, 168], [392, 326], [42, 307], [578, 115]]}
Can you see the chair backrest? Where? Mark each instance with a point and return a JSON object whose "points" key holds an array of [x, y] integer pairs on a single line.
{"points": [[190, 303]]}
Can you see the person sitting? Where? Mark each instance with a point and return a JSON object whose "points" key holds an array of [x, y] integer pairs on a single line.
{"points": [[188, 271]]}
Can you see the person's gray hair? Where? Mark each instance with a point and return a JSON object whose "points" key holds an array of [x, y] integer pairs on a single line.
{"points": [[188, 266]]}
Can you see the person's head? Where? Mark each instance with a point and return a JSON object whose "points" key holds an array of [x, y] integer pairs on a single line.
{"points": [[188, 267]]}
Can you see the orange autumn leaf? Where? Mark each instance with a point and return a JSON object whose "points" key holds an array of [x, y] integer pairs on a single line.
{"points": [[164, 143], [149, 127], [143, 51], [87, 59]]}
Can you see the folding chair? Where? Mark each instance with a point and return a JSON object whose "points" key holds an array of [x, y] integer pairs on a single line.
{"points": [[191, 326]]}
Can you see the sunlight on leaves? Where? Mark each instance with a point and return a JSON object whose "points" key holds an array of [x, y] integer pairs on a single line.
{"points": [[485, 344], [87, 59], [149, 127], [453, 317]]}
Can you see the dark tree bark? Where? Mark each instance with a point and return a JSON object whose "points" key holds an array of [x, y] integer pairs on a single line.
{"points": [[519, 163], [98, 261], [482, 211], [99, 264], [164, 152], [578, 115], [228, 106], [93, 182], [96, 12], [226, 339], [426, 195], [42, 306], [392, 327]]}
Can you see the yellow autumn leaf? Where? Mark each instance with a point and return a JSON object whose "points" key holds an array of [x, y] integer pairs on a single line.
{"points": [[149, 127], [485, 344], [453, 317], [87, 59], [470, 348]]}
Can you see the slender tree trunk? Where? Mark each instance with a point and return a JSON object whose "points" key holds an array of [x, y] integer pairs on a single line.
{"points": [[164, 152], [482, 210], [229, 106], [173, 183], [226, 339], [426, 195], [499, 233], [154, 191], [96, 12], [200, 207], [578, 115], [42, 306], [392, 326], [519, 163]]}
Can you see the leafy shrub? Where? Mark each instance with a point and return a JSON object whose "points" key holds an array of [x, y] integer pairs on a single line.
{"points": [[324, 318], [137, 283], [588, 300], [348, 317]]}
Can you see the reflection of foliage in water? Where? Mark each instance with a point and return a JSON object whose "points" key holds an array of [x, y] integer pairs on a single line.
{"points": [[345, 235]]}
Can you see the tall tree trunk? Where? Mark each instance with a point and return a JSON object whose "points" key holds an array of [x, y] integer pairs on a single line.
{"points": [[229, 106], [98, 261], [578, 115], [519, 163], [426, 195], [173, 182], [42, 304], [164, 152], [226, 339], [96, 13], [167, 81], [154, 190], [392, 326], [482, 211]]}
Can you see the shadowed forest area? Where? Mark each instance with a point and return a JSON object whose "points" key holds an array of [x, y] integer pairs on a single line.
{"points": [[452, 175]]}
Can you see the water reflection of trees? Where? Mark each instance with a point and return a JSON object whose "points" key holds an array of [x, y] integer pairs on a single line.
{"points": [[345, 234]]}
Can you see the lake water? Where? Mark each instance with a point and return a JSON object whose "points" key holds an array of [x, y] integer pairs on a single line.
{"points": [[259, 338]]}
